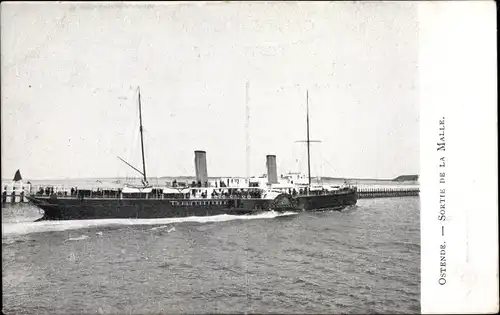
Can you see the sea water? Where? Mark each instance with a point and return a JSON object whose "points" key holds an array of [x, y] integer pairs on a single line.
{"points": [[365, 259]]}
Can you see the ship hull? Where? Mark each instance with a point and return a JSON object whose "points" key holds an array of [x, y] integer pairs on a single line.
{"points": [[336, 201], [73, 208], [101, 208]]}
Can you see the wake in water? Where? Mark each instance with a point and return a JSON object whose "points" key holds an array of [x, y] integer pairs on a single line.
{"points": [[164, 227], [23, 228], [79, 238]]}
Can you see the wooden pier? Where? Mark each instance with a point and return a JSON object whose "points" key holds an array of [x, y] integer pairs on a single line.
{"points": [[15, 192], [386, 192]]}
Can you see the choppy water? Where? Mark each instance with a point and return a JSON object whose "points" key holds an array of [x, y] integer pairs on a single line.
{"points": [[365, 259]]}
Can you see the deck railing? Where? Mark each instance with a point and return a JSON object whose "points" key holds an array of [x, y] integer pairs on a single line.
{"points": [[17, 192]]}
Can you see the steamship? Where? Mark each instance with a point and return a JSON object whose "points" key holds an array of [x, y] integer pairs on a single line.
{"points": [[201, 198], [146, 201]]}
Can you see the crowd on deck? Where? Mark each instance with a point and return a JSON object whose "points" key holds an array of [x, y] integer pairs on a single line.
{"points": [[235, 193], [219, 191]]}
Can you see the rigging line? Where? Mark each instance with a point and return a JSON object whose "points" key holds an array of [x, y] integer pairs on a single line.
{"points": [[333, 169], [130, 165], [320, 166], [135, 137]]}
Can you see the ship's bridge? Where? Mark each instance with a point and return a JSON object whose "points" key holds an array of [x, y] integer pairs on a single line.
{"points": [[230, 182], [214, 192]]}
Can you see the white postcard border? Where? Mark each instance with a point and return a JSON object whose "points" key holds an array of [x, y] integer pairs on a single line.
{"points": [[458, 145]]}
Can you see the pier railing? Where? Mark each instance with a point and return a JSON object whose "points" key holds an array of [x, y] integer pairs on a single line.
{"points": [[385, 192], [15, 192]]}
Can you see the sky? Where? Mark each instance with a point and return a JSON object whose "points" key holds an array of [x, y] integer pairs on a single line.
{"points": [[71, 72]]}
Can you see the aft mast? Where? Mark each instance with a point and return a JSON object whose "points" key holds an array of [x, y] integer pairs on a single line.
{"points": [[308, 142], [142, 139]]}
